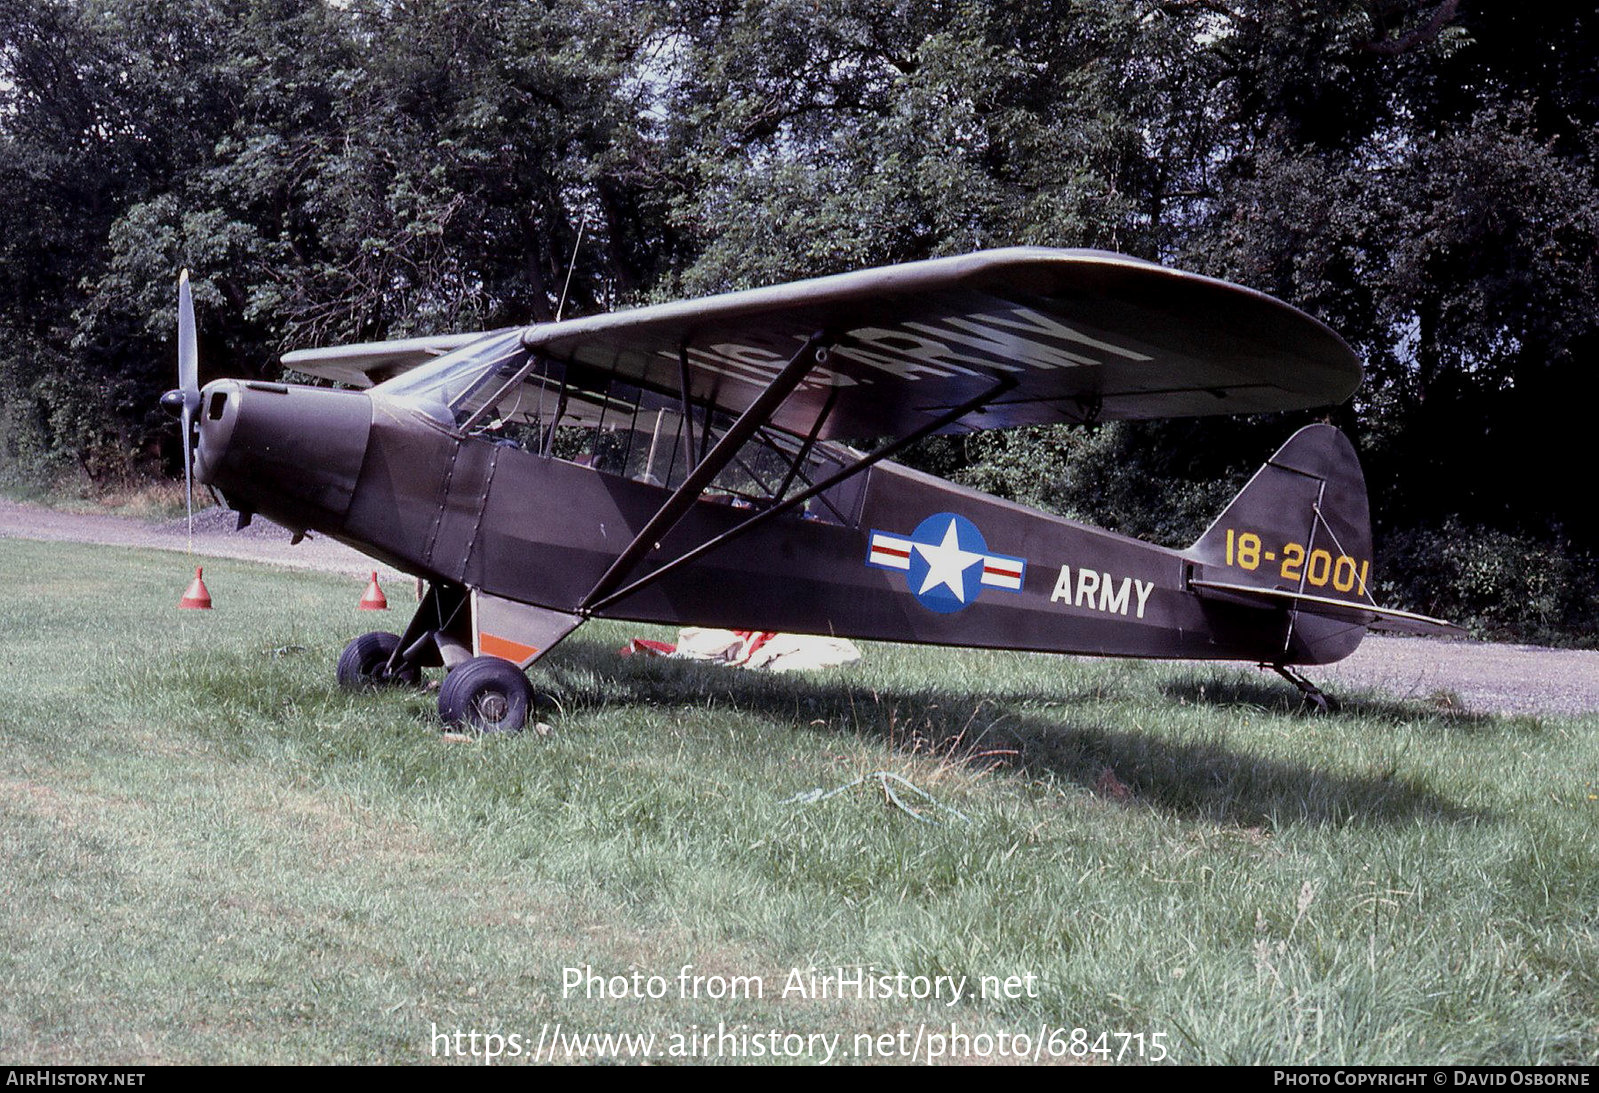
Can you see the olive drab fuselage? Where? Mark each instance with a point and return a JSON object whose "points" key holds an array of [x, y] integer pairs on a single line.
{"points": [[541, 530]]}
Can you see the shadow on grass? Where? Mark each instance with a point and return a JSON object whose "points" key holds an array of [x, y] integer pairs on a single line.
{"points": [[1191, 773], [1269, 695]]}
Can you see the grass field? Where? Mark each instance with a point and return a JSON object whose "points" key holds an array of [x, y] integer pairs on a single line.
{"points": [[213, 855]]}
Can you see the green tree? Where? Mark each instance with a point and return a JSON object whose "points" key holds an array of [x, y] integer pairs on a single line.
{"points": [[1420, 174]]}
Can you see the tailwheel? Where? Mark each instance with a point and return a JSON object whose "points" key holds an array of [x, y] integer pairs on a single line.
{"points": [[371, 661], [486, 694], [1316, 699]]}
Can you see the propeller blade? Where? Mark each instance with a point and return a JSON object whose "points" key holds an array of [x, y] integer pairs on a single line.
{"points": [[189, 385], [188, 352], [188, 468]]}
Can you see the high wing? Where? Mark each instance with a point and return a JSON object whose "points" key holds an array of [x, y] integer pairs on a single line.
{"points": [[1050, 335], [368, 363], [1029, 334]]}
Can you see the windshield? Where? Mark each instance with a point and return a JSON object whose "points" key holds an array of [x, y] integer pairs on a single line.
{"points": [[460, 382]]}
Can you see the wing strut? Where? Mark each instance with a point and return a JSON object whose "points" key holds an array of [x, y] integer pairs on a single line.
{"points": [[688, 404], [758, 413], [599, 601], [809, 443]]}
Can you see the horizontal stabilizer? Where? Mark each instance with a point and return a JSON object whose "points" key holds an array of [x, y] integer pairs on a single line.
{"points": [[1386, 619]]}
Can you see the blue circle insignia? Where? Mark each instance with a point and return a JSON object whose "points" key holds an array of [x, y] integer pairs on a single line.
{"points": [[946, 562]]}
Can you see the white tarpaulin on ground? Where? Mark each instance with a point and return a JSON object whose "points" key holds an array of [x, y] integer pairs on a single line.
{"points": [[764, 649]]}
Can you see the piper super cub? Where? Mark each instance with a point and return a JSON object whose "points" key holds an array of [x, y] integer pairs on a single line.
{"points": [[687, 463]]}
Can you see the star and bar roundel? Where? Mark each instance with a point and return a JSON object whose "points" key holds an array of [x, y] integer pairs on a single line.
{"points": [[946, 562]]}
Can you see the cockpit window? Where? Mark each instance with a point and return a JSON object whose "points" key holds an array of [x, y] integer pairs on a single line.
{"points": [[498, 389]]}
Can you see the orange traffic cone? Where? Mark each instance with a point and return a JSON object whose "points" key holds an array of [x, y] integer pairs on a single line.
{"points": [[197, 598], [374, 599]]}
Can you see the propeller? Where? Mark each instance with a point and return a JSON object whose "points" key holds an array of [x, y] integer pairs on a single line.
{"points": [[185, 399]]}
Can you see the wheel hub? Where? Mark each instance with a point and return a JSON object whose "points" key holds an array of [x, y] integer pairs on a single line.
{"points": [[492, 707]]}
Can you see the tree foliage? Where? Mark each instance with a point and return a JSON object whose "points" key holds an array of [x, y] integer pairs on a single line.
{"points": [[1420, 174]]}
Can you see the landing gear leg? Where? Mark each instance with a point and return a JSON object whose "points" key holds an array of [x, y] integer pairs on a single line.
{"points": [[440, 633], [1316, 699]]}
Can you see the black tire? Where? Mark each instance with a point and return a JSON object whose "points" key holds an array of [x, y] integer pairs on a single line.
{"points": [[364, 663], [486, 694]]}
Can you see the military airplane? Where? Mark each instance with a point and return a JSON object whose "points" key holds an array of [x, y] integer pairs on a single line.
{"points": [[692, 463]]}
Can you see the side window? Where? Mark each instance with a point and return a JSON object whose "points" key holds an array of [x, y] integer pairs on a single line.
{"points": [[583, 416]]}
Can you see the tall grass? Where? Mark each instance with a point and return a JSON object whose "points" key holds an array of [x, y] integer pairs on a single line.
{"points": [[212, 854]]}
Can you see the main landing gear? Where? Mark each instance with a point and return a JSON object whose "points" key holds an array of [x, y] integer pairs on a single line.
{"points": [[369, 661], [484, 694], [480, 694]]}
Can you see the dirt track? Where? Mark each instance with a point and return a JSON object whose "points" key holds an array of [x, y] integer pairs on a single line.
{"points": [[262, 541], [1486, 677]]}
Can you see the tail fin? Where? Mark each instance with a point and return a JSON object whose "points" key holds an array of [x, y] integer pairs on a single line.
{"points": [[1297, 538], [1309, 500]]}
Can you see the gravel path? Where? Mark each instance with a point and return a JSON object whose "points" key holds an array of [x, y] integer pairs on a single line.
{"points": [[214, 534], [1486, 677]]}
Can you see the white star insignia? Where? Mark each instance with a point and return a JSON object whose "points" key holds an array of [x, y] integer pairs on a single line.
{"points": [[947, 564]]}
